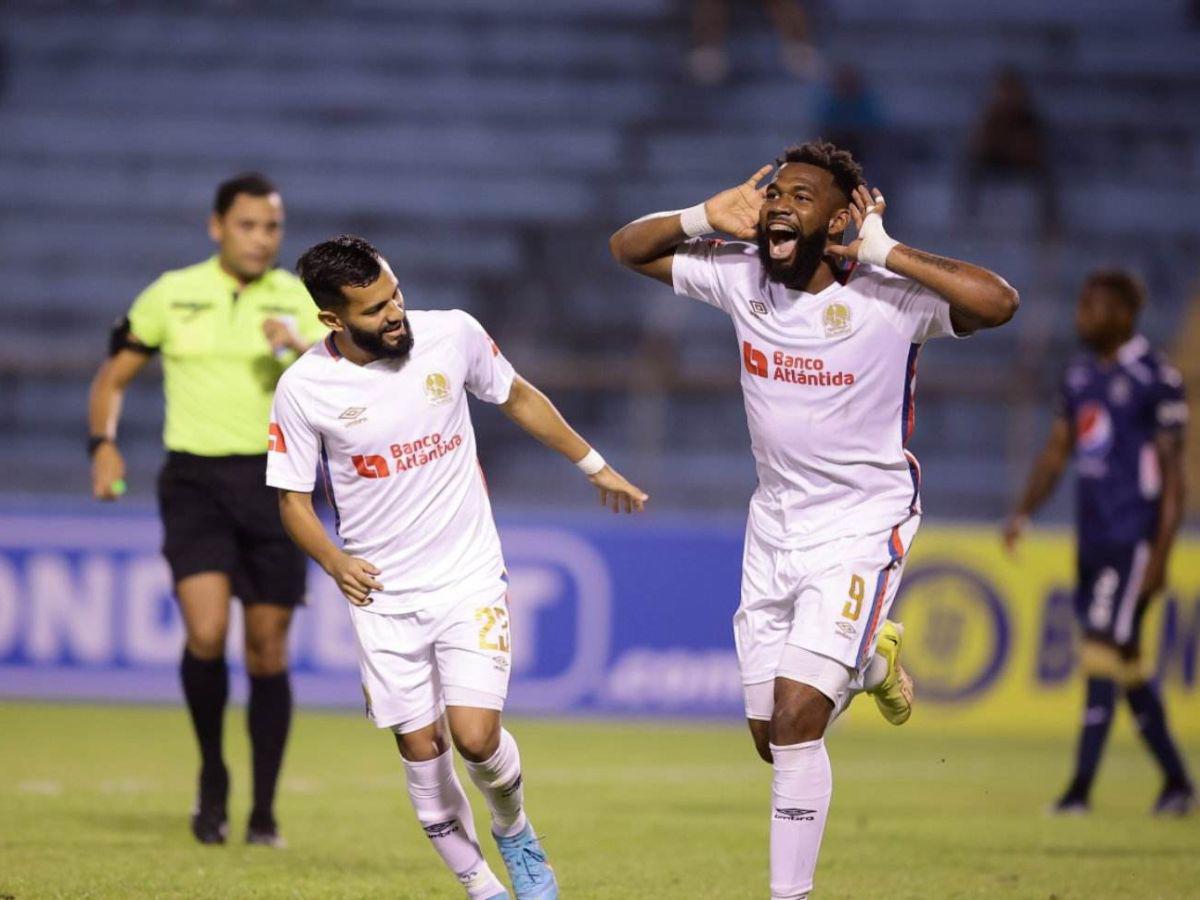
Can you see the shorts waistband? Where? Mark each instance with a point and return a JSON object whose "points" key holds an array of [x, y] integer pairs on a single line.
{"points": [[233, 459]]}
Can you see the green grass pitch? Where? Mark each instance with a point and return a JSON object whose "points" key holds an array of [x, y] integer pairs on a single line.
{"points": [[94, 802]]}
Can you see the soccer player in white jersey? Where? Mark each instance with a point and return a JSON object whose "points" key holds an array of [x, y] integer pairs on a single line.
{"points": [[380, 407], [829, 357]]}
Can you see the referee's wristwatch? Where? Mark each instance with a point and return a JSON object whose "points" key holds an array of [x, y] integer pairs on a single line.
{"points": [[94, 442]]}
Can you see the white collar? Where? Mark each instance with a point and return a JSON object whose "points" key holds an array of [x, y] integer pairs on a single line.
{"points": [[1132, 350]]}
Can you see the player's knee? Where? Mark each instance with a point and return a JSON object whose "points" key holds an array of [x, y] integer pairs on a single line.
{"points": [[207, 640], [801, 714], [477, 741], [266, 654], [761, 738], [266, 641], [263, 662], [763, 746]]}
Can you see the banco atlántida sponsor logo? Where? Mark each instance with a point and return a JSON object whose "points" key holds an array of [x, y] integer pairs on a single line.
{"points": [[403, 457], [780, 366]]}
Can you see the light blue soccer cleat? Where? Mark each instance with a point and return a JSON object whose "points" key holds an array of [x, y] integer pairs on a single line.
{"points": [[532, 877]]}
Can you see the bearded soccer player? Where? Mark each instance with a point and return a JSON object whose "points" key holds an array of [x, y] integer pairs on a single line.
{"points": [[1122, 418], [381, 407], [829, 359]]}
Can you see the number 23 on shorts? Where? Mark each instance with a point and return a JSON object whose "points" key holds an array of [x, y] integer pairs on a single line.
{"points": [[493, 628]]}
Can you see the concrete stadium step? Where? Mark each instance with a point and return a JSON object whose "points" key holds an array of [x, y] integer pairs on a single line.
{"points": [[400, 46], [113, 246], [336, 195], [339, 97], [386, 147]]}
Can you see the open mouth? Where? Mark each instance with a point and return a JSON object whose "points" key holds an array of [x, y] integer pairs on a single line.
{"points": [[394, 331], [782, 239]]}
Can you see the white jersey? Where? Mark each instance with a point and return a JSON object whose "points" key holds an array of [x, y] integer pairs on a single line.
{"points": [[394, 442], [828, 383]]}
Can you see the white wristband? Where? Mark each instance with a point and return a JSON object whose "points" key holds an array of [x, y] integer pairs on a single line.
{"points": [[876, 245], [694, 221], [592, 463]]}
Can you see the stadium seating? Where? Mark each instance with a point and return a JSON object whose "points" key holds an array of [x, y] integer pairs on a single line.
{"points": [[490, 153]]}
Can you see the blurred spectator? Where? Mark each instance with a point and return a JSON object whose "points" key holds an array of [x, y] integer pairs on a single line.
{"points": [[708, 61], [850, 113], [1009, 145]]}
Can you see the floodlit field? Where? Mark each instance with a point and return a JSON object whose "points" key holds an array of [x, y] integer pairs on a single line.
{"points": [[94, 802]]}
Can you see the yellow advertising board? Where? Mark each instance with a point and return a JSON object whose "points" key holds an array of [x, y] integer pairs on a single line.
{"points": [[991, 639]]}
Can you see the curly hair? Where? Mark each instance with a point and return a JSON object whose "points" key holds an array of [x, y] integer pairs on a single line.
{"points": [[846, 171], [344, 261], [1121, 282]]}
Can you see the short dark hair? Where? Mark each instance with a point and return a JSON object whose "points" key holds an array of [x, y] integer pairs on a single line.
{"points": [[847, 173], [344, 261], [1121, 282], [255, 184]]}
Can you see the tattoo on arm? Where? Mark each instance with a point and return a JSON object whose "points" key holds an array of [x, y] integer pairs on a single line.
{"points": [[940, 262]]}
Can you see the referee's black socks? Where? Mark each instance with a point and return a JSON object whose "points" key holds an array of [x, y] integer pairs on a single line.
{"points": [[206, 689], [268, 717]]}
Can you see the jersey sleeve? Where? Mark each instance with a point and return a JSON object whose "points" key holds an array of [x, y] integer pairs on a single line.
{"points": [[489, 374], [704, 269], [293, 445], [916, 312], [148, 315], [1170, 402]]}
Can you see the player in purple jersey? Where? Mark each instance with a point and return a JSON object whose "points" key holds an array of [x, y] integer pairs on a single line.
{"points": [[1122, 418]]}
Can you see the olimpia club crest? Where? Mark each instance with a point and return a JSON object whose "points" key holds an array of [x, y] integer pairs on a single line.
{"points": [[836, 319], [437, 389]]}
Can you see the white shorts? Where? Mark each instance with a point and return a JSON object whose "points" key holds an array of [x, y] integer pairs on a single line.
{"points": [[414, 665], [829, 599]]}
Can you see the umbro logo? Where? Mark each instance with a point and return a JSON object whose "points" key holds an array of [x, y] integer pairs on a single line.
{"points": [[353, 415], [795, 815], [758, 307], [441, 829]]}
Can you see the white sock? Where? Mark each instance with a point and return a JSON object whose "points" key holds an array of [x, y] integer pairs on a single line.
{"points": [[499, 780], [444, 813], [800, 795], [877, 670]]}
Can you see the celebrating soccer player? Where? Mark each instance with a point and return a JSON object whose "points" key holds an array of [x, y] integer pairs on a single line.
{"points": [[1122, 416], [226, 328], [381, 407], [829, 356]]}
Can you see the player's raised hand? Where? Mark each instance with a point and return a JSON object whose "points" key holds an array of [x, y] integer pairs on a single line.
{"points": [[617, 493], [866, 211], [108, 472], [353, 576], [735, 211]]}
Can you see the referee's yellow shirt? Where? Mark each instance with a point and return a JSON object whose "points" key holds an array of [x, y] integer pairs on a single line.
{"points": [[218, 369]]}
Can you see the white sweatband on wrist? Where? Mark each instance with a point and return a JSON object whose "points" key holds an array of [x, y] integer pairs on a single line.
{"points": [[876, 245], [694, 221], [592, 463]]}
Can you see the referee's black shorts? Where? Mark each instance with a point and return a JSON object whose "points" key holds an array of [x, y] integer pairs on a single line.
{"points": [[219, 515]]}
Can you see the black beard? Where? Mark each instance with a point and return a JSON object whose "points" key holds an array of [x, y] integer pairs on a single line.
{"points": [[372, 342], [810, 250]]}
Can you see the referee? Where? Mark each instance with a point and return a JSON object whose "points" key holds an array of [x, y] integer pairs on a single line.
{"points": [[226, 328]]}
